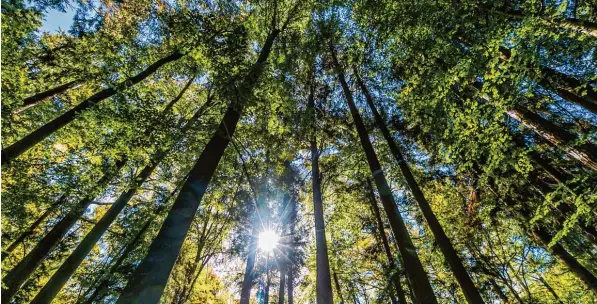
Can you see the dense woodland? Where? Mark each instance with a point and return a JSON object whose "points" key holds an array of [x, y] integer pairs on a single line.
{"points": [[425, 151]]}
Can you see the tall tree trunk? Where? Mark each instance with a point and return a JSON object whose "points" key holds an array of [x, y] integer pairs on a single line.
{"points": [[386, 245], [61, 276], [585, 153], [412, 265], [469, 289], [567, 87], [150, 278], [21, 272], [33, 226], [550, 289], [11, 152], [34, 100], [585, 27], [132, 245], [338, 290], [324, 279], [282, 286], [245, 294], [543, 238], [499, 291], [267, 282]]}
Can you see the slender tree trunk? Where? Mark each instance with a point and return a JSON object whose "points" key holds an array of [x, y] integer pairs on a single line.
{"points": [[567, 87], [466, 283], [412, 265], [61, 276], [585, 27], [558, 250], [290, 287], [267, 282], [386, 245], [290, 267], [21, 272], [39, 97], [585, 153], [105, 283], [52, 287], [33, 226], [170, 105], [11, 152], [543, 237], [245, 294], [282, 286], [150, 278], [324, 280], [550, 289], [338, 290], [499, 291]]}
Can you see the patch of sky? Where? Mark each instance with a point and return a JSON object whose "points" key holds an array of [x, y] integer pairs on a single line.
{"points": [[56, 21]]}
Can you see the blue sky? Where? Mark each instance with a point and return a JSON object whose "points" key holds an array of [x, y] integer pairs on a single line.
{"points": [[55, 20]]}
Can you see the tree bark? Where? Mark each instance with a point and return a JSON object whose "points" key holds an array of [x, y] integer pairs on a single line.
{"points": [[469, 289], [33, 226], [558, 250], [337, 283], [585, 153], [585, 27], [11, 152], [104, 284], [567, 87], [412, 265], [324, 280], [150, 278], [499, 291], [543, 238], [245, 294], [39, 97], [386, 245], [61, 276], [550, 289], [21, 272], [282, 286]]}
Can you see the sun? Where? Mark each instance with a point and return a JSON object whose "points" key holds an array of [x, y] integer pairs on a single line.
{"points": [[268, 240]]}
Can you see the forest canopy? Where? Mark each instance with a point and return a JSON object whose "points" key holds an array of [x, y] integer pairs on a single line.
{"points": [[299, 151]]}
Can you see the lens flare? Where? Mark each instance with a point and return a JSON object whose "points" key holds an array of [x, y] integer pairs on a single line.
{"points": [[268, 240]]}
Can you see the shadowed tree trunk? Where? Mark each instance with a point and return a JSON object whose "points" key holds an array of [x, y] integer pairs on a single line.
{"points": [[324, 280], [11, 152], [567, 87], [24, 269], [550, 289], [39, 97], [414, 269], [585, 153], [543, 238], [499, 291], [337, 283], [102, 287], [245, 294], [464, 280], [61, 276], [21, 272], [585, 27], [33, 226], [386, 245], [104, 284], [282, 286], [150, 278]]}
